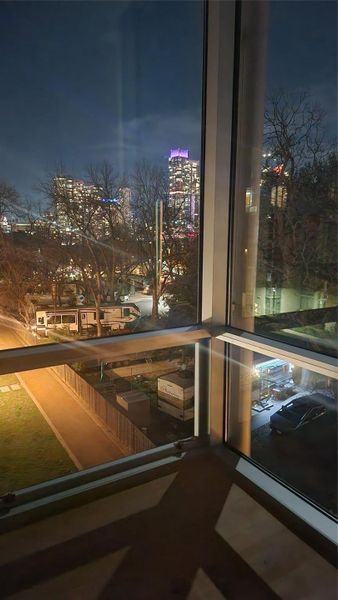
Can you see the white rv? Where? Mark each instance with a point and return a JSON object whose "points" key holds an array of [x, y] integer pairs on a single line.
{"points": [[66, 319], [111, 317], [82, 320]]}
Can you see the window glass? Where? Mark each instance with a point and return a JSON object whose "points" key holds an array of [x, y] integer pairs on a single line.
{"points": [[100, 164], [138, 402], [53, 320], [68, 319], [284, 417], [285, 224]]}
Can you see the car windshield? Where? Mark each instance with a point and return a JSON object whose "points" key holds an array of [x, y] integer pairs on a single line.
{"points": [[291, 413], [297, 408]]}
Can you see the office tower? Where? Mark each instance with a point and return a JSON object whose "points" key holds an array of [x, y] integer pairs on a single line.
{"points": [[124, 200], [184, 188], [73, 197]]}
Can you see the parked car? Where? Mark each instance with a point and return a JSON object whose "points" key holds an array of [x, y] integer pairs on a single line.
{"points": [[298, 412], [283, 391]]}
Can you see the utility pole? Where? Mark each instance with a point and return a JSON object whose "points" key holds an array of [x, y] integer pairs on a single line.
{"points": [[54, 297], [158, 244]]}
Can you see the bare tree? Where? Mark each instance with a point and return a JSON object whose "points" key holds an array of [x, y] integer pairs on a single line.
{"points": [[115, 222], [297, 232], [183, 286], [294, 131], [17, 278], [9, 200], [152, 235], [160, 237]]}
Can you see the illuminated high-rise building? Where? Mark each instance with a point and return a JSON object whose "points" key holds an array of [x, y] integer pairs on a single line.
{"points": [[73, 197], [184, 187], [81, 205], [124, 201]]}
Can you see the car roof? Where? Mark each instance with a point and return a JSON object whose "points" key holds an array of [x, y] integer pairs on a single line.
{"points": [[310, 400]]}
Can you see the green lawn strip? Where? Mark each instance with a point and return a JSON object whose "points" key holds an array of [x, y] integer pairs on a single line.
{"points": [[29, 451]]}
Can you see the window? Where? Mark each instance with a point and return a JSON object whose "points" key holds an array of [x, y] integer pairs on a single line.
{"points": [[101, 315], [139, 401], [68, 319], [281, 384], [115, 221], [119, 117], [285, 222], [284, 417], [54, 320]]}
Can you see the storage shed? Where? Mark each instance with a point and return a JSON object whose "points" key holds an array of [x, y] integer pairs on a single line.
{"points": [[137, 406]]}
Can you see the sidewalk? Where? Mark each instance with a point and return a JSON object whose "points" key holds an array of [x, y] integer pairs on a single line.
{"points": [[79, 433]]}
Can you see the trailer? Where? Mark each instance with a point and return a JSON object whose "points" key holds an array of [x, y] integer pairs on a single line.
{"points": [[48, 319], [176, 396], [84, 319], [111, 317]]}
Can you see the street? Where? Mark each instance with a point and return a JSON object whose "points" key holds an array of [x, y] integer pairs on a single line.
{"points": [[143, 301], [145, 304]]}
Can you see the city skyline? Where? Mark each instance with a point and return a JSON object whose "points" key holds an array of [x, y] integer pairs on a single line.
{"points": [[84, 188]]}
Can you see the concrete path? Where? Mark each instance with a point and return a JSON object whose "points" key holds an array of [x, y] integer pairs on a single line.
{"points": [[86, 441]]}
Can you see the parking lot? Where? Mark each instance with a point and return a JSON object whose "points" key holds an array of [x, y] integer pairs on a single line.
{"points": [[306, 459]]}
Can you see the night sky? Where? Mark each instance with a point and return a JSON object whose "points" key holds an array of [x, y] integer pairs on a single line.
{"points": [[121, 81]]}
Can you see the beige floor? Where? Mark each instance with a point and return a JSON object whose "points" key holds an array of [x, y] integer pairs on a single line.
{"points": [[290, 567], [193, 533]]}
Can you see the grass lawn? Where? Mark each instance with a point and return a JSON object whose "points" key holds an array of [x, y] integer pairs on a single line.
{"points": [[29, 451]]}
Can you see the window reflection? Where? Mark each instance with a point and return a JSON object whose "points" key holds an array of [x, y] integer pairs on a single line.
{"points": [[100, 181], [285, 226], [284, 417]]}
